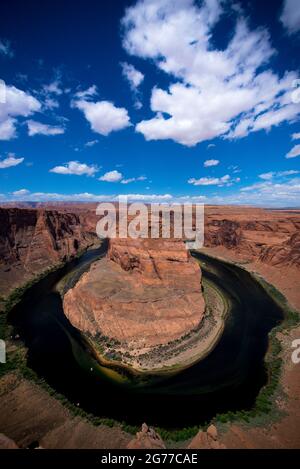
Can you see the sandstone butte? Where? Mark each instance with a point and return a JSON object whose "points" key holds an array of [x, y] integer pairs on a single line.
{"points": [[145, 293]]}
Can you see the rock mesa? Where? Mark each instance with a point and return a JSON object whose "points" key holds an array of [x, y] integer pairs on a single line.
{"points": [[145, 293]]}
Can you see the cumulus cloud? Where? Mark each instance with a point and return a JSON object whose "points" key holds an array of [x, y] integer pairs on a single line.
{"points": [[209, 163], [76, 168], [17, 103], [290, 16], [295, 151], [37, 128], [296, 136], [111, 176], [133, 76], [5, 48], [10, 161], [103, 116], [218, 92]]}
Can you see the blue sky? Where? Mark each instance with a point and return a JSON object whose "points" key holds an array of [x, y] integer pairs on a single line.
{"points": [[161, 100]]}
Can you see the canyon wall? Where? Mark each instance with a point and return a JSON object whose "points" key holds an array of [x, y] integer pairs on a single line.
{"points": [[33, 240], [267, 236], [38, 235]]}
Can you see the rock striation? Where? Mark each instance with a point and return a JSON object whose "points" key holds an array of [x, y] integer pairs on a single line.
{"points": [[268, 236], [33, 240], [145, 293]]}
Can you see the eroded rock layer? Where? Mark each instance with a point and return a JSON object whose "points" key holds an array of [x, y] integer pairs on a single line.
{"points": [[144, 293], [33, 240]]}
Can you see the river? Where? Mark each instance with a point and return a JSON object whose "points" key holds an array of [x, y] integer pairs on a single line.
{"points": [[229, 378]]}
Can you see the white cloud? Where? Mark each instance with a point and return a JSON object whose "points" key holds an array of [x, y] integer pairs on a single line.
{"points": [[5, 48], [273, 174], [91, 143], [103, 116], [10, 161], [218, 92], [76, 168], [37, 128], [51, 103], [17, 104], [88, 93], [267, 176], [289, 172], [149, 197], [296, 136], [272, 193], [53, 88], [89, 197], [8, 129], [290, 16], [295, 151], [209, 163], [127, 181], [50, 93], [133, 76], [111, 176], [20, 193], [210, 145], [208, 181]]}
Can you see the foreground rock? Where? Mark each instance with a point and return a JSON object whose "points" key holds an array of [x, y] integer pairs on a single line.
{"points": [[144, 294], [147, 438], [7, 443], [206, 440]]}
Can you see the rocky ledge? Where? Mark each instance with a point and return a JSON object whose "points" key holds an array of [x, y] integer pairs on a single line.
{"points": [[145, 293]]}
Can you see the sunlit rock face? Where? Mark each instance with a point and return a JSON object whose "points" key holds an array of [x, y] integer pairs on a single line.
{"points": [[146, 292], [31, 241], [258, 235]]}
